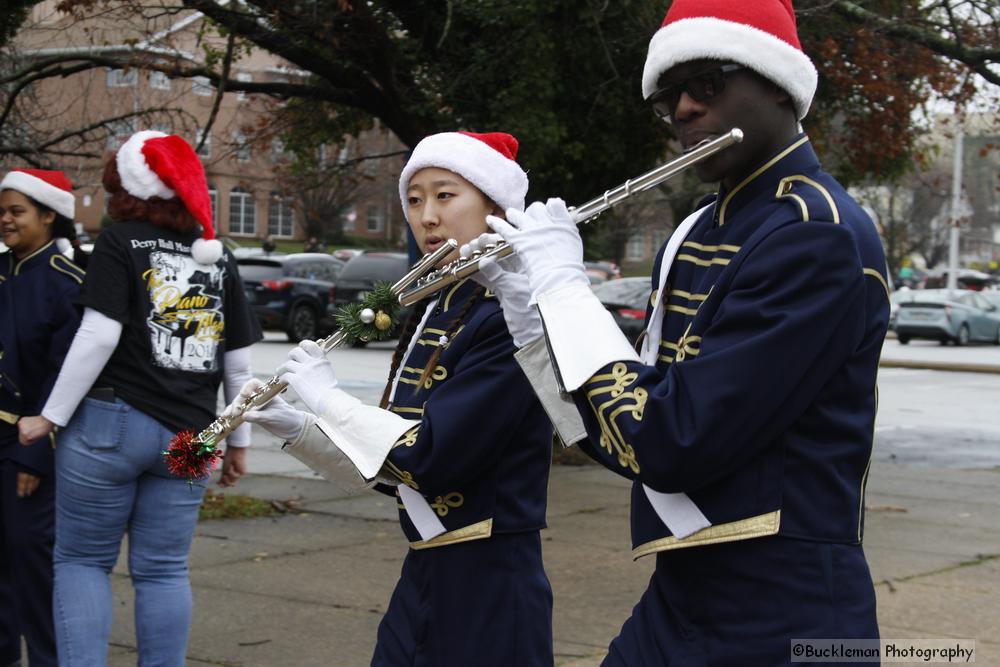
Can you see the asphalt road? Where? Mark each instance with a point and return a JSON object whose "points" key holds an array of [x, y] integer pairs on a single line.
{"points": [[927, 418]]}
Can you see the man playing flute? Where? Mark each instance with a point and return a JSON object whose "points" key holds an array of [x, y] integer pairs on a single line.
{"points": [[745, 419]]}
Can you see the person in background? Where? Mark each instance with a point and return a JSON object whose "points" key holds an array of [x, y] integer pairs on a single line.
{"points": [[746, 419], [268, 245], [165, 321], [313, 245], [459, 440], [38, 318]]}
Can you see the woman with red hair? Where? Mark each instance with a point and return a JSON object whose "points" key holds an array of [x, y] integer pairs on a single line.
{"points": [[165, 322]]}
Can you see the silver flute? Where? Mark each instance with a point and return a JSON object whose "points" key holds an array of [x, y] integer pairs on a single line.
{"points": [[223, 426], [464, 267]]}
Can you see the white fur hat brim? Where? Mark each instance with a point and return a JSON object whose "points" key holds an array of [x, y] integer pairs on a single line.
{"points": [[717, 39], [137, 178], [60, 201], [498, 177]]}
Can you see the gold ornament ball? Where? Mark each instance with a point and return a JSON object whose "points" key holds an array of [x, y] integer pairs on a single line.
{"points": [[382, 321]]}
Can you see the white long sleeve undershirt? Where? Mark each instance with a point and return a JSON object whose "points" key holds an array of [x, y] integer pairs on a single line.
{"points": [[94, 343], [237, 373]]}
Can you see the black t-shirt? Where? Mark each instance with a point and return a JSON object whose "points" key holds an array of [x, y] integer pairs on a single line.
{"points": [[179, 318]]}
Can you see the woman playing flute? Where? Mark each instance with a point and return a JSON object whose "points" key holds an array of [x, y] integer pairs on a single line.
{"points": [[459, 439]]}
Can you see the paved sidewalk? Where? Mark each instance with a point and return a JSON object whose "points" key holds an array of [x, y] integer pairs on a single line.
{"points": [[309, 587]]}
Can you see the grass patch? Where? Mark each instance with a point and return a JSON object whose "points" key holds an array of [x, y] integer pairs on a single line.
{"points": [[220, 506]]}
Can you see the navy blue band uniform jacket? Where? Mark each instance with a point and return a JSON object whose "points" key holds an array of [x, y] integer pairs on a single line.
{"points": [[38, 319], [761, 404], [480, 446]]}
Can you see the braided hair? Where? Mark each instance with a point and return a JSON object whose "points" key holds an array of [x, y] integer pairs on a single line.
{"points": [[406, 335]]}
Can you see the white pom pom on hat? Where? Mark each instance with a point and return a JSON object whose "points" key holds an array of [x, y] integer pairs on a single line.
{"points": [[487, 160], [760, 35], [154, 164]]}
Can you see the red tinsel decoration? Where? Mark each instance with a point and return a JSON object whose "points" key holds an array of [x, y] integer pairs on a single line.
{"points": [[190, 459]]}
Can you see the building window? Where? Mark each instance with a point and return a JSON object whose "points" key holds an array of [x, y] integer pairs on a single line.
{"points": [[657, 238], [245, 77], [159, 81], [206, 148], [200, 85], [122, 78], [118, 132], [277, 149], [350, 220], [376, 222], [213, 196], [635, 249], [242, 212], [279, 215], [241, 148]]}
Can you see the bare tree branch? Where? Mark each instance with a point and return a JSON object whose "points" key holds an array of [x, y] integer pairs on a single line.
{"points": [[976, 58], [220, 90]]}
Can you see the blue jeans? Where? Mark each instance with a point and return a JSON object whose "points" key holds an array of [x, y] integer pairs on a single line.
{"points": [[111, 478]]}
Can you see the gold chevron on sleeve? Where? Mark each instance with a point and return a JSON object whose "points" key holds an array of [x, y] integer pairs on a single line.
{"points": [[614, 385], [409, 438]]}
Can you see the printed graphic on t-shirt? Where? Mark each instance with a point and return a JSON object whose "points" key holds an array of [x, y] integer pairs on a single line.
{"points": [[185, 320]]}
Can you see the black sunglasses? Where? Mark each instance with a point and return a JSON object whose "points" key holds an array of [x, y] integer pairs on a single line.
{"points": [[702, 87]]}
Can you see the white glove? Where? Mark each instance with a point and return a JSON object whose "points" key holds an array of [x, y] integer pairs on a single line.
{"points": [[277, 417], [310, 374], [506, 279], [548, 243]]}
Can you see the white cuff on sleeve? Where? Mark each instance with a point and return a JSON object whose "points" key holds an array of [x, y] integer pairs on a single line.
{"points": [[364, 433], [582, 336], [534, 360], [315, 448]]}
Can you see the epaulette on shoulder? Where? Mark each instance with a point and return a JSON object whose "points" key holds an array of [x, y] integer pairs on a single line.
{"points": [[814, 201], [65, 265]]}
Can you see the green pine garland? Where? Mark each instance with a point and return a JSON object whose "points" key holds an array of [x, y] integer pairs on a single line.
{"points": [[381, 300]]}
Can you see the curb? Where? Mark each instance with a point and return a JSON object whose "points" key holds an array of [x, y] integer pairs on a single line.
{"points": [[940, 366]]}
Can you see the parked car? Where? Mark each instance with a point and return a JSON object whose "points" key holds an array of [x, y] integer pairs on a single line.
{"points": [[291, 293], [360, 275], [991, 295], [900, 295], [346, 253], [961, 317], [626, 300], [598, 272]]}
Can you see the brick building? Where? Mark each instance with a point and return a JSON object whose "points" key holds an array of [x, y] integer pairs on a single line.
{"points": [[242, 154]]}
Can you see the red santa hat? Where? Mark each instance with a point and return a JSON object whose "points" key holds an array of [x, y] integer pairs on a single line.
{"points": [[759, 35], [154, 164], [49, 188], [488, 161]]}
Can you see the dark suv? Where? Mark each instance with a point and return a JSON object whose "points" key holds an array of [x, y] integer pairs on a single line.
{"points": [[362, 272], [291, 293]]}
